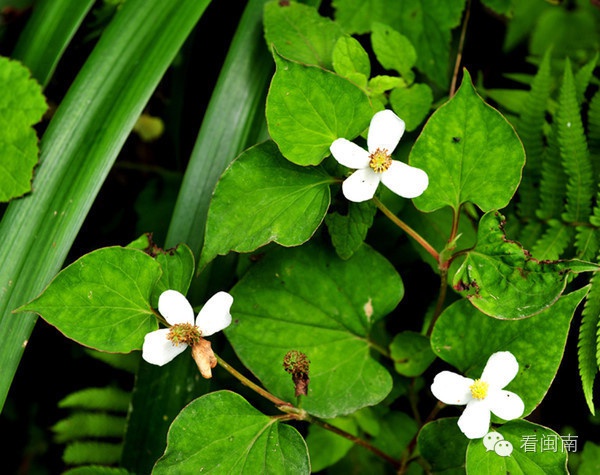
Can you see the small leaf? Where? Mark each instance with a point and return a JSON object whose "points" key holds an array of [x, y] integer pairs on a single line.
{"points": [[21, 108], [443, 433], [411, 353], [222, 433], [501, 279], [308, 299], [89, 425], [299, 33], [349, 231], [393, 50], [459, 149], [412, 105], [308, 108], [465, 338], [350, 59], [102, 299], [263, 198], [177, 266], [515, 459]]}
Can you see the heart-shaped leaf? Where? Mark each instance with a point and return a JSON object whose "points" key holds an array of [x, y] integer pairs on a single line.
{"points": [[308, 108], [102, 299], [222, 433], [307, 299], [263, 198], [459, 149]]}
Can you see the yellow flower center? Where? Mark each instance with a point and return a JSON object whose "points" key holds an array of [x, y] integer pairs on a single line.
{"points": [[479, 389], [380, 161], [184, 333]]}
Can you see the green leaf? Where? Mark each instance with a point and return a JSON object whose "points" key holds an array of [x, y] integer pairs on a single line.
{"points": [[21, 109], [299, 33], [466, 338], [443, 433], [521, 459], [393, 50], [351, 61], [222, 433], [590, 459], [502, 7], [177, 266], [501, 279], [411, 353], [459, 149], [101, 300], [309, 300], [96, 470], [84, 452], [308, 108], [108, 399], [349, 231], [554, 242], [263, 198], [412, 104], [588, 344]]}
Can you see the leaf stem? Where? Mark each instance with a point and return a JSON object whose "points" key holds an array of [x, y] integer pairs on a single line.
{"points": [[255, 387], [407, 229]]}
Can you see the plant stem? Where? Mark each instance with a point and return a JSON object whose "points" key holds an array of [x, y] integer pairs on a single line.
{"points": [[395, 463], [255, 387], [461, 45], [407, 229]]}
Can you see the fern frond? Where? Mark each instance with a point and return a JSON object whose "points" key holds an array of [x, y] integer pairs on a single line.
{"points": [[80, 453], [587, 242], [531, 131], [552, 184], [89, 425], [554, 242], [588, 344], [107, 399], [574, 152]]}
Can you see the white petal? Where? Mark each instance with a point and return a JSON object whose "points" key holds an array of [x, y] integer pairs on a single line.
{"points": [[158, 350], [452, 388], [475, 420], [404, 180], [175, 308], [385, 131], [215, 315], [500, 369], [361, 185], [349, 154], [505, 404]]}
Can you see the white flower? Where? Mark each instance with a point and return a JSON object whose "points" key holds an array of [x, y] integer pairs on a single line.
{"points": [[161, 346], [376, 165], [481, 395]]}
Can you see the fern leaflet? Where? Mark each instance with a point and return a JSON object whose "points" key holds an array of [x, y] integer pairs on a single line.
{"points": [[552, 184], [594, 132], [89, 425], [587, 242], [104, 453], [554, 242]]}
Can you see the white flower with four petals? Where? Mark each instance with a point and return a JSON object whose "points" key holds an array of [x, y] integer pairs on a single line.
{"points": [[376, 164], [162, 345], [483, 395]]}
